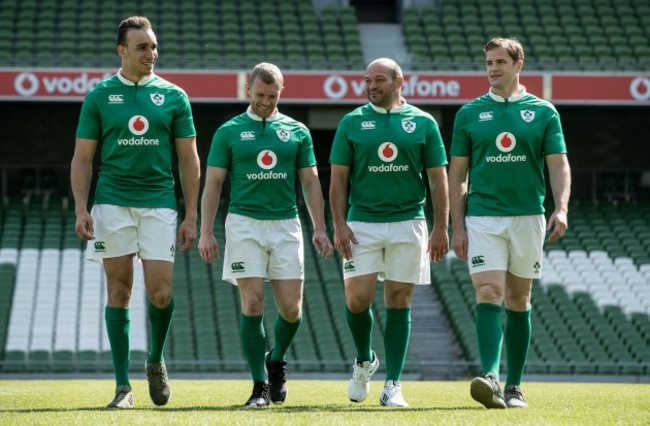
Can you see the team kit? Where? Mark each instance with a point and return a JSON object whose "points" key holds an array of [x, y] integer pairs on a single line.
{"points": [[388, 165]]}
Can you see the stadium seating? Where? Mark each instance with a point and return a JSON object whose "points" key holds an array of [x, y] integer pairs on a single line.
{"points": [[192, 35], [578, 35], [591, 308]]}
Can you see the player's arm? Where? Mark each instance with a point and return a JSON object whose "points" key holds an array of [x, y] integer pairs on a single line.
{"points": [[343, 236], [560, 176], [313, 194], [81, 173], [439, 238], [189, 171], [458, 168], [214, 179]]}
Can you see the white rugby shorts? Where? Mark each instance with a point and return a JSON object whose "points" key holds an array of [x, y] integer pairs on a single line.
{"points": [[506, 243], [270, 249], [397, 251], [150, 233]]}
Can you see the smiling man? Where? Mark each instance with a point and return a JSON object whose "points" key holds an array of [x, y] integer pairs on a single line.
{"points": [[380, 152], [263, 151], [501, 140], [139, 120]]}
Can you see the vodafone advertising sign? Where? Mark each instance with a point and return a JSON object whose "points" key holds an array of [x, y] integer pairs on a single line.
{"points": [[336, 88]]}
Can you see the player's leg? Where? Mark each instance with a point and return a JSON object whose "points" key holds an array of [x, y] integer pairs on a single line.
{"points": [[119, 285], [397, 332], [253, 337], [114, 245], [488, 262], [407, 263], [517, 336], [526, 248], [288, 299], [157, 248], [160, 311]]}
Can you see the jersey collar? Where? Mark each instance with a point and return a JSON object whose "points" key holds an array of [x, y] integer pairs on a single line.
{"points": [[513, 98], [128, 82], [397, 109], [273, 117]]}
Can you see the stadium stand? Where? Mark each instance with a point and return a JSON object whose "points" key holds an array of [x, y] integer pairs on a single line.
{"points": [[192, 35], [591, 310], [576, 35]]}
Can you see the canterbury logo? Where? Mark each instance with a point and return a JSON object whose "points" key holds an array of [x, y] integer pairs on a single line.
{"points": [[100, 246], [485, 116], [368, 125], [115, 99], [349, 266], [478, 261], [237, 267], [247, 136]]}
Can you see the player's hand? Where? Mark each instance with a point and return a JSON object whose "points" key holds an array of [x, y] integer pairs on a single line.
{"points": [[322, 243], [438, 244], [343, 240], [84, 226], [208, 248], [557, 224], [186, 235], [459, 243]]}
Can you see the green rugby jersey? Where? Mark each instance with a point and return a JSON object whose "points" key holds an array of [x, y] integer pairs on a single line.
{"points": [[387, 152], [506, 142], [136, 125], [262, 158]]}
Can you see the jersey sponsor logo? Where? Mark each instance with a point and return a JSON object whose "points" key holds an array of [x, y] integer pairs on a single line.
{"points": [[267, 159], [409, 126], [247, 136], [238, 266], [506, 142], [368, 125], [505, 158], [157, 98], [115, 99], [527, 115], [387, 153], [100, 246], [478, 261], [138, 125], [283, 134], [486, 116]]}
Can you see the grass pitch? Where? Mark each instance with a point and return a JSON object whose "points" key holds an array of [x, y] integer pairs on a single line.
{"points": [[317, 402]]}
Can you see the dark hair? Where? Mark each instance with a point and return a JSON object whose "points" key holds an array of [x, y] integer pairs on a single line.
{"points": [[266, 72], [131, 23], [512, 45]]}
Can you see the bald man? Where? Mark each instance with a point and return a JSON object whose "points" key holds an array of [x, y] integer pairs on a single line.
{"points": [[379, 152]]}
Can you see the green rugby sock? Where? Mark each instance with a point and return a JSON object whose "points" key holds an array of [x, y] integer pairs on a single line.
{"points": [[284, 332], [490, 336], [118, 327], [159, 322], [517, 338], [253, 339], [396, 341], [361, 327]]}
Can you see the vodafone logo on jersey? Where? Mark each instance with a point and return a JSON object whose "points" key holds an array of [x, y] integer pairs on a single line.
{"points": [[138, 125], [506, 142], [387, 152], [267, 159]]}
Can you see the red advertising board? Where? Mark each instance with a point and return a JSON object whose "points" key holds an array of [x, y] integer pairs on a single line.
{"points": [[336, 88]]}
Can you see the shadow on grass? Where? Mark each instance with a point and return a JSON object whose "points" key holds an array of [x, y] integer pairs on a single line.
{"points": [[276, 409]]}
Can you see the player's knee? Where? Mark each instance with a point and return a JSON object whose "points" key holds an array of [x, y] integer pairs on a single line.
{"points": [[291, 314], [161, 298], [489, 293]]}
